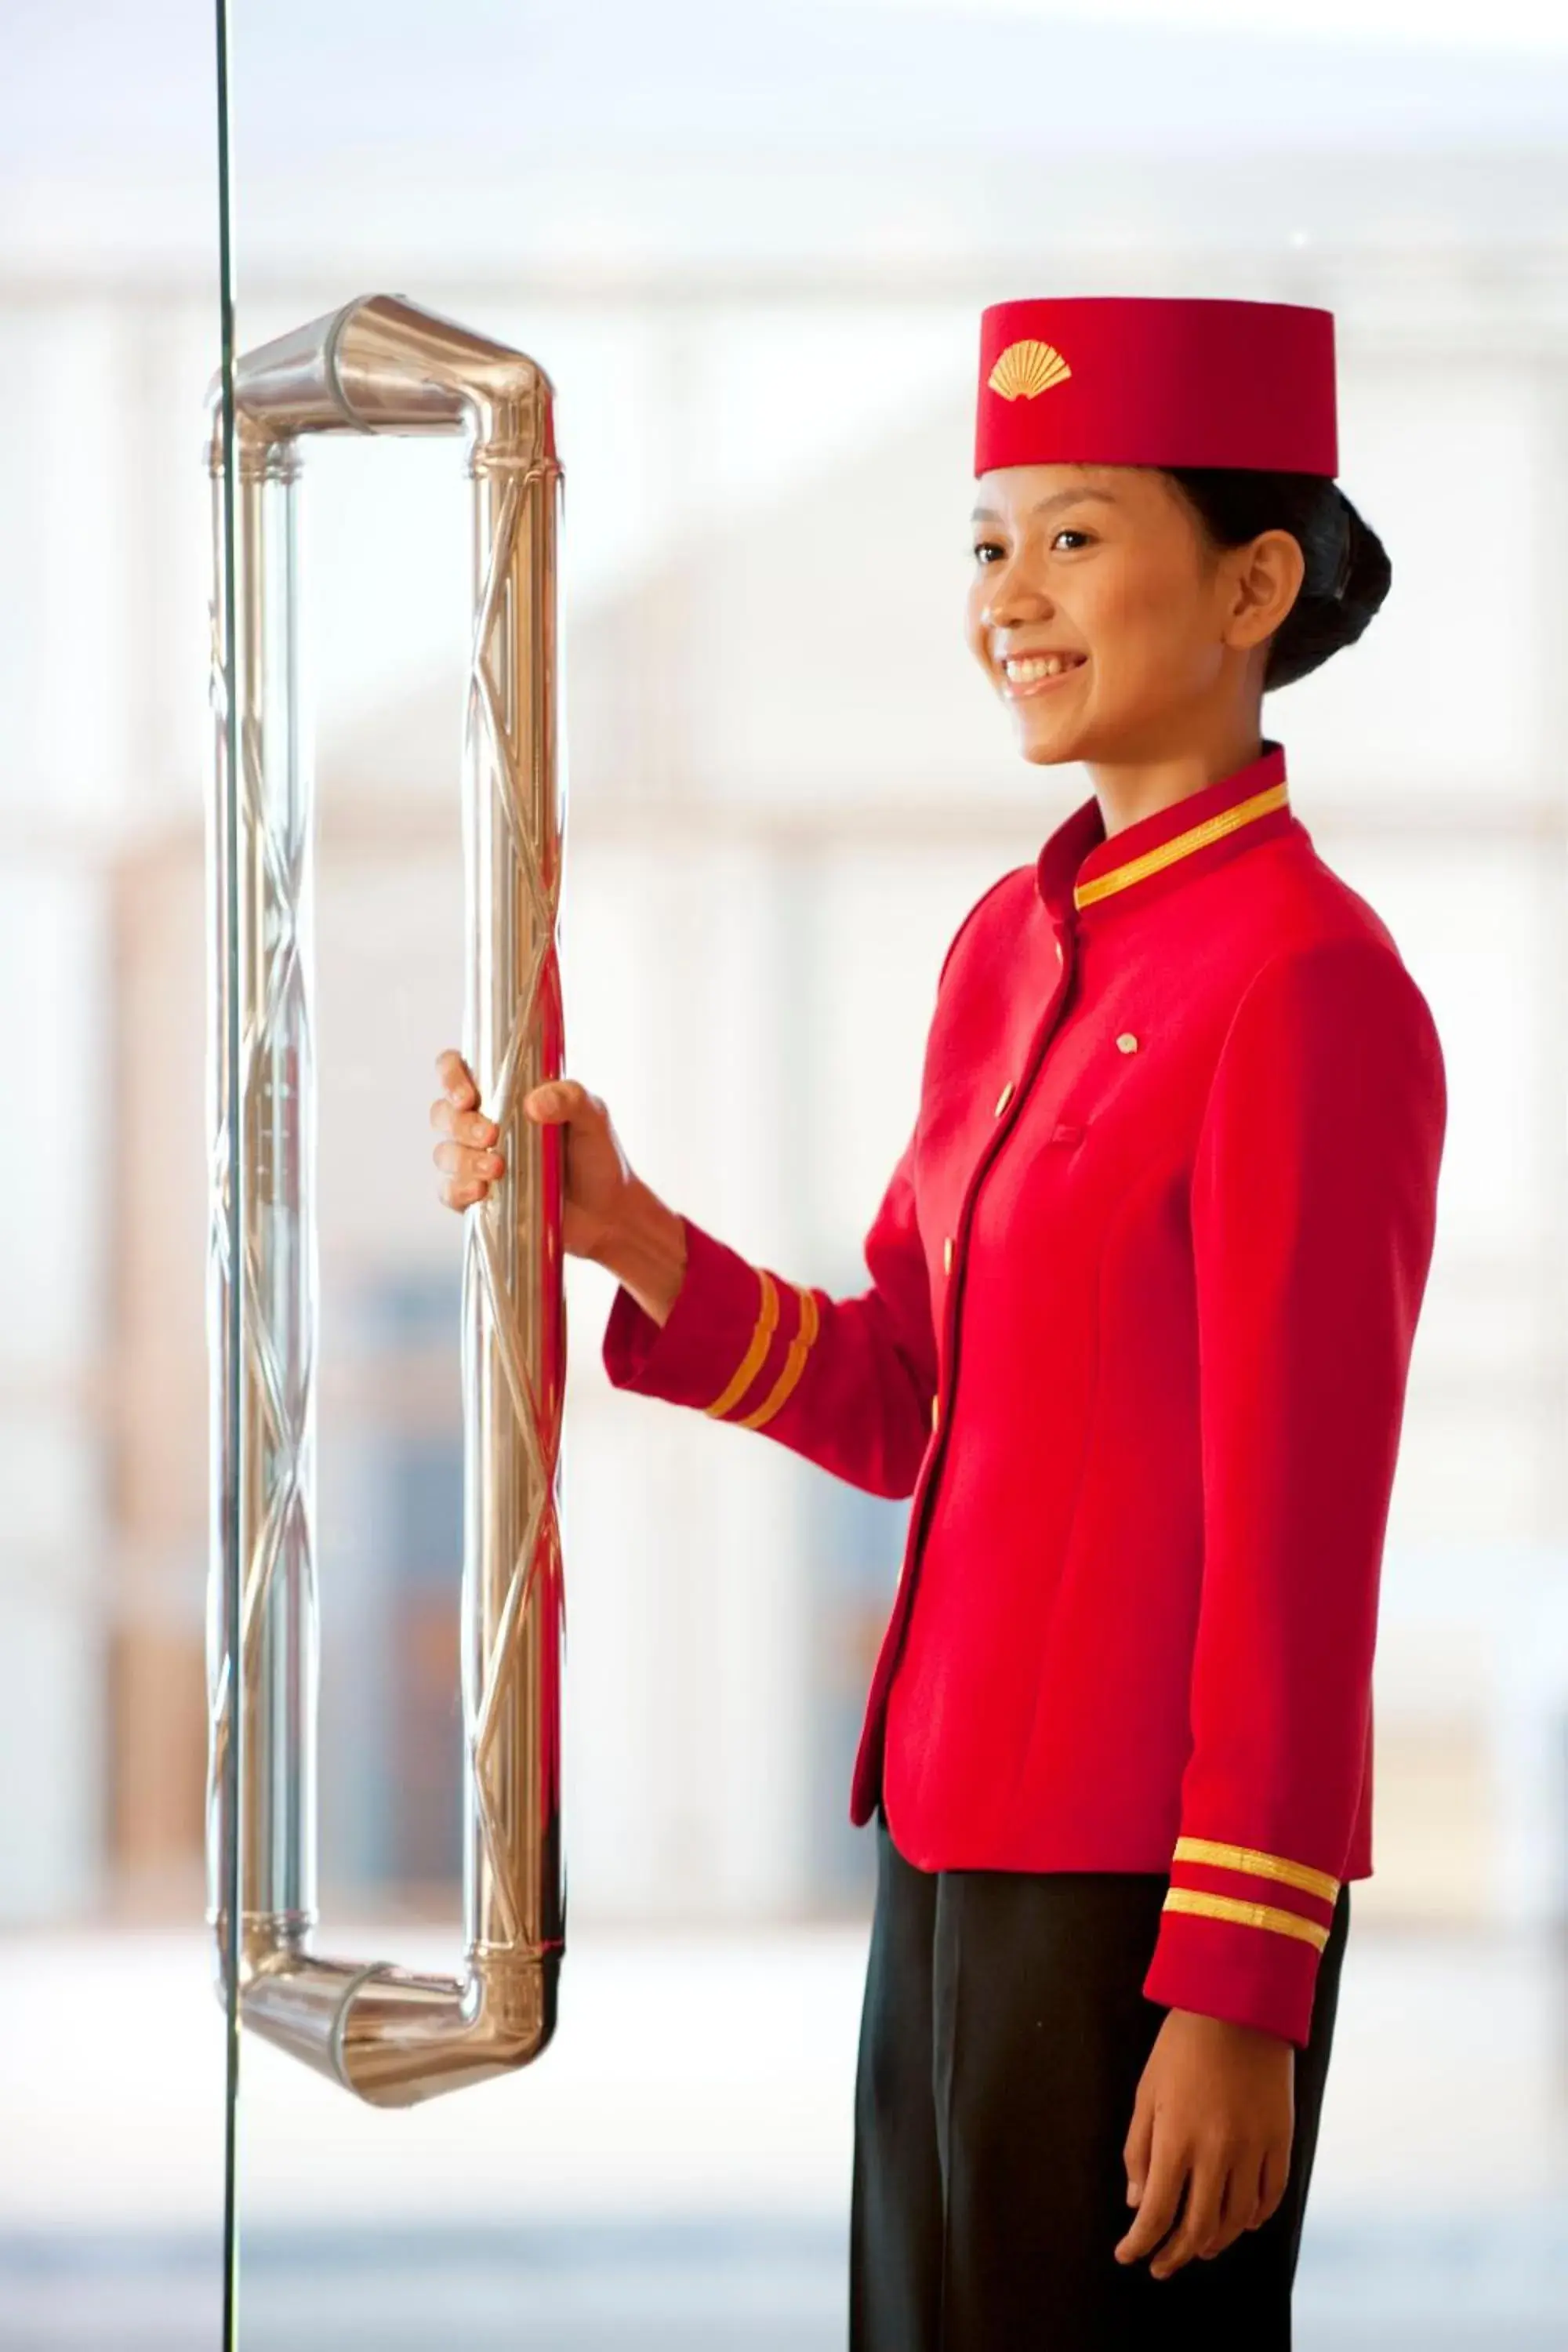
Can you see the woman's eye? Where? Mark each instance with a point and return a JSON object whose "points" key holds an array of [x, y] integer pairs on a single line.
{"points": [[988, 550]]}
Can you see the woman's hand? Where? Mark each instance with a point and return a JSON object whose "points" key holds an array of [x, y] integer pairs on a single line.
{"points": [[1215, 2115], [597, 1177], [608, 1214]]}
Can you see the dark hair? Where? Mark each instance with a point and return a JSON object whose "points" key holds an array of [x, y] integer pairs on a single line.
{"points": [[1348, 571]]}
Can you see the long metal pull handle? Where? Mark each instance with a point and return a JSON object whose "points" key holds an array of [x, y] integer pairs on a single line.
{"points": [[381, 365]]}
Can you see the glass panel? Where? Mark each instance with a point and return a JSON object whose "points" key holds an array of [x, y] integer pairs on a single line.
{"points": [[112, 2046], [749, 247]]}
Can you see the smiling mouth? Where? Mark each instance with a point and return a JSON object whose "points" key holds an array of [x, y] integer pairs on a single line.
{"points": [[1038, 673]]}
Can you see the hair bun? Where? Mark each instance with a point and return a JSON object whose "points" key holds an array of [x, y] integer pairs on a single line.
{"points": [[1347, 521], [1346, 571], [1365, 573]]}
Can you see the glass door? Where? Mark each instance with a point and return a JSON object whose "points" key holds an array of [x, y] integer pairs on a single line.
{"points": [[603, 377], [460, 2110]]}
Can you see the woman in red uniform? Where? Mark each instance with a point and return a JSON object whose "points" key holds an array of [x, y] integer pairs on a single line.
{"points": [[1144, 1287]]}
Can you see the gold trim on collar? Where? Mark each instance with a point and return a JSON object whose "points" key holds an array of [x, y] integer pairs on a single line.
{"points": [[1182, 844]]}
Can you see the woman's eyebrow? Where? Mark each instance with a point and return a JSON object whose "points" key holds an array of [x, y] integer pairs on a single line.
{"points": [[1070, 498], [1044, 506]]}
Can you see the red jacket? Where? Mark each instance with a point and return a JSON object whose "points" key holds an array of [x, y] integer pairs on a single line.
{"points": [[1144, 1284]]}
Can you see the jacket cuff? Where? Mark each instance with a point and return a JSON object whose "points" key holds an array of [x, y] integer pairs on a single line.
{"points": [[1240, 1936], [702, 1350]]}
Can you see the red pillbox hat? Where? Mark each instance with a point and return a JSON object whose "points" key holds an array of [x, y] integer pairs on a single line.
{"points": [[1156, 380]]}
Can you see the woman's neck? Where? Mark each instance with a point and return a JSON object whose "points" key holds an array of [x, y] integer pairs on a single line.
{"points": [[1127, 790]]}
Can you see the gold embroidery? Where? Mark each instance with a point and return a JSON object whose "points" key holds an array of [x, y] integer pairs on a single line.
{"points": [[1025, 370], [1246, 1915], [1257, 1865], [794, 1363], [752, 1362], [1182, 844]]}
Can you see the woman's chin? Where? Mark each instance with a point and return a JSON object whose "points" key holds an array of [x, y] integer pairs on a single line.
{"points": [[1048, 746]]}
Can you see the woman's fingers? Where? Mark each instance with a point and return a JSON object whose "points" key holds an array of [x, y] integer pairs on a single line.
{"points": [[456, 1079], [467, 1126], [469, 1166], [454, 1110], [1201, 2221], [1207, 2221], [1140, 2140], [562, 1098], [1238, 2202], [1276, 2175], [1157, 2205], [468, 1158], [1246, 2200]]}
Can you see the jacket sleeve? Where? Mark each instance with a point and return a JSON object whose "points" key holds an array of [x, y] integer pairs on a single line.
{"points": [[848, 1382], [1314, 1209]]}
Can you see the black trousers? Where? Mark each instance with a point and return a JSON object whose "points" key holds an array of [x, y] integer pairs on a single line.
{"points": [[1004, 2033]]}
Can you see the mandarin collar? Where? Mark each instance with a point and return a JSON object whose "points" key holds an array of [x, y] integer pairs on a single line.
{"points": [[1083, 872]]}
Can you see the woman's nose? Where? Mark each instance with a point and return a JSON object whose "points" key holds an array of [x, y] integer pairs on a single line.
{"points": [[1012, 597]]}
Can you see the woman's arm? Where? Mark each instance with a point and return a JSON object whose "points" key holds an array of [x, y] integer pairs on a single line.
{"points": [[1314, 1209], [848, 1382], [648, 1253]]}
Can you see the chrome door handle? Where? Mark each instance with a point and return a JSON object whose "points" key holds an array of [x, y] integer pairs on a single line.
{"points": [[381, 365]]}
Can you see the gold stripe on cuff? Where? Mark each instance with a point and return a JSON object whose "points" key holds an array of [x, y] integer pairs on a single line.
{"points": [[1182, 844], [1257, 1865], [1246, 1915], [794, 1365], [752, 1362]]}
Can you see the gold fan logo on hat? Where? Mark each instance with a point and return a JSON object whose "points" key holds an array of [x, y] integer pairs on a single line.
{"points": [[1027, 369]]}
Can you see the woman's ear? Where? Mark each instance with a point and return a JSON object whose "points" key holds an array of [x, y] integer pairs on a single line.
{"points": [[1266, 576]]}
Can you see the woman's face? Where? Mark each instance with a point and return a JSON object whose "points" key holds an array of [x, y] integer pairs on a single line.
{"points": [[1108, 567]]}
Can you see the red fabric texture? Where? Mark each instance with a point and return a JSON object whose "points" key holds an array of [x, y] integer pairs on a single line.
{"points": [[1139, 1595], [1159, 380]]}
